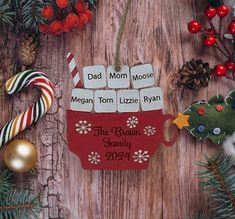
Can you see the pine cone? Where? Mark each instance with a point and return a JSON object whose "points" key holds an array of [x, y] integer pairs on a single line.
{"points": [[195, 74], [27, 51]]}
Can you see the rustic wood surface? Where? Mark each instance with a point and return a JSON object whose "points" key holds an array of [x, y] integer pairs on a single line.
{"points": [[155, 33]]}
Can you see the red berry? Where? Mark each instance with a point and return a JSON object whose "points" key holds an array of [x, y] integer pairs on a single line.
{"points": [[80, 6], [89, 15], [222, 11], [231, 27], [43, 28], [83, 19], [62, 3], [230, 65], [210, 12], [210, 40], [56, 27], [209, 31], [47, 11], [194, 26], [72, 20], [80, 26], [65, 27], [220, 70]]}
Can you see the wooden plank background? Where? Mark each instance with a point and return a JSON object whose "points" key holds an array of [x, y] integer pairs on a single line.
{"points": [[156, 32]]}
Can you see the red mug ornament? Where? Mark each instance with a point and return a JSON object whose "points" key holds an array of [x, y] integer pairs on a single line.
{"points": [[106, 128]]}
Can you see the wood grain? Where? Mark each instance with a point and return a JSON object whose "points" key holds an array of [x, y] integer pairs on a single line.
{"points": [[155, 33]]}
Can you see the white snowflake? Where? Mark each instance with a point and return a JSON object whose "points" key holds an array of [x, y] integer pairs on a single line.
{"points": [[132, 122], [83, 127], [149, 130], [140, 156], [94, 158]]}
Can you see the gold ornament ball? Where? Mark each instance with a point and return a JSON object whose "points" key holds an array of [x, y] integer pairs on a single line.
{"points": [[20, 156]]}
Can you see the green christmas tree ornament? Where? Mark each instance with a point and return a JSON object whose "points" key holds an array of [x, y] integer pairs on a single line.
{"points": [[213, 119]]}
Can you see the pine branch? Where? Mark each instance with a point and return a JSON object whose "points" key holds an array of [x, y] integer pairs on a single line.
{"points": [[92, 2], [220, 183], [20, 204], [6, 15], [31, 13], [5, 182]]}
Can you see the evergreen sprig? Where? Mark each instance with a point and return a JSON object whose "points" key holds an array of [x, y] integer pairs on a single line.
{"points": [[92, 2], [16, 203], [5, 182], [219, 182], [20, 204], [6, 14], [31, 13]]}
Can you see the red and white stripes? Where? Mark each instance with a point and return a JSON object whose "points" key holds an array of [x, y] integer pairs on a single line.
{"points": [[33, 113], [74, 70]]}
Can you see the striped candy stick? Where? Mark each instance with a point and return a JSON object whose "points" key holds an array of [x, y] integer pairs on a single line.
{"points": [[74, 70], [35, 112]]}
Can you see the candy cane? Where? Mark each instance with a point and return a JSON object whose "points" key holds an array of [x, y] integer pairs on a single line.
{"points": [[74, 70], [35, 112]]}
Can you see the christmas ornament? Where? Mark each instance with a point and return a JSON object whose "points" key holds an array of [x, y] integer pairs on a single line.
{"points": [[20, 156], [214, 36], [134, 135], [137, 127], [194, 74], [217, 119], [35, 112], [27, 51]]}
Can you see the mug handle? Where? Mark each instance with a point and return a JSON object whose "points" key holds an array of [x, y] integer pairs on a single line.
{"points": [[174, 138]]}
